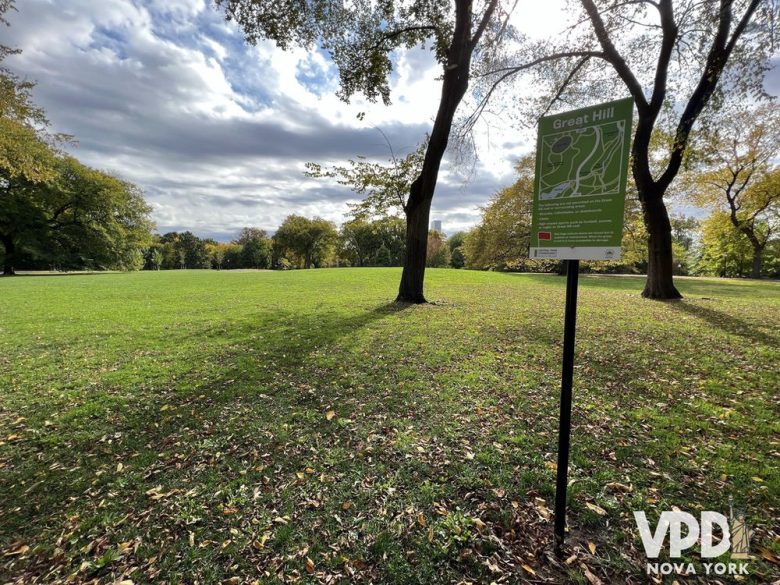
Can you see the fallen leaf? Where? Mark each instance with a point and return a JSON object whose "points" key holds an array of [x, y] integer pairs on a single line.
{"points": [[598, 509], [19, 550], [620, 487], [330, 414], [592, 579], [529, 569], [769, 555], [309, 566], [592, 548]]}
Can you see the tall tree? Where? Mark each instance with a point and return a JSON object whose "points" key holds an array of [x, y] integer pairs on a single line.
{"points": [[736, 172], [502, 238], [359, 241], [673, 58], [81, 218], [360, 37], [26, 147], [307, 240], [255, 248]]}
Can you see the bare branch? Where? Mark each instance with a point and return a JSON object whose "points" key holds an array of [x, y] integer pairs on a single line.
{"points": [[510, 71], [580, 64]]}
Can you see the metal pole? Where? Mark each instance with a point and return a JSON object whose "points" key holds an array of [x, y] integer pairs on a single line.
{"points": [[564, 425]]}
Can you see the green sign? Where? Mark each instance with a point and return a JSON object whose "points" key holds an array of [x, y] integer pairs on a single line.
{"points": [[580, 184]]}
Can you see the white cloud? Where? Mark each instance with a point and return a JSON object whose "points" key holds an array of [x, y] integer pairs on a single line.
{"points": [[167, 94]]}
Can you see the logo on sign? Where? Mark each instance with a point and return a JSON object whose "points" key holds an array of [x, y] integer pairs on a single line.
{"points": [[685, 531], [545, 236]]}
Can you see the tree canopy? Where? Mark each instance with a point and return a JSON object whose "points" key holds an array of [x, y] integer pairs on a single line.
{"points": [[734, 171], [82, 218], [303, 241]]}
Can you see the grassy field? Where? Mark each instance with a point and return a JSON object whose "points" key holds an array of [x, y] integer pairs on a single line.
{"points": [[218, 427]]}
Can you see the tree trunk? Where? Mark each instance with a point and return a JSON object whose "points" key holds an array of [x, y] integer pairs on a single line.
{"points": [[413, 276], [418, 208], [758, 253], [10, 255], [660, 267]]}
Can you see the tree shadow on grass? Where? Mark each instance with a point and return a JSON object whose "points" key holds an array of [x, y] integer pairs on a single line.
{"points": [[725, 322], [65, 460]]}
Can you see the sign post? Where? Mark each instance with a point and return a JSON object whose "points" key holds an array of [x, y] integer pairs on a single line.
{"points": [[579, 200]]}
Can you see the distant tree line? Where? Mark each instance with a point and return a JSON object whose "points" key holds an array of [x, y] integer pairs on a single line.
{"points": [[300, 242]]}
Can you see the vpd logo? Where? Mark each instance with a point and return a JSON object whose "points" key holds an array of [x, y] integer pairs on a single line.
{"points": [[734, 536]]}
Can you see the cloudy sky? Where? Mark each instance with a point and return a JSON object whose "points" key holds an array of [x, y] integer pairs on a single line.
{"points": [[166, 94]]}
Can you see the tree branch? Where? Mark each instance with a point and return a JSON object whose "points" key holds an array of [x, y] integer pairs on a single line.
{"points": [[718, 56], [580, 64], [483, 24], [510, 71], [613, 56], [670, 32]]}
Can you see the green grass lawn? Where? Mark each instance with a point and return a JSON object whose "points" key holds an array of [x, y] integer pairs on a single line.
{"points": [[227, 427]]}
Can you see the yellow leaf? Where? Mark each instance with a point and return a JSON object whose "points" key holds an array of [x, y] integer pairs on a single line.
{"points": [[330, 414], [19, 550], [551, 465], [598, 509], [529, 569], [346, 505], [757, 479], [592, 548], [421, 519], [309, 566]]}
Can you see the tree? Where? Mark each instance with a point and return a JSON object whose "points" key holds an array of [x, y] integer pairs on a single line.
{"points": [[255, 248], [307, 241], [360, 242], [438, 253], [735, 172], [360, 37], [27, 150], [674, 58], [391, 232], [192, 250], [455, 243], [83, 218], [156, 258], [725, 250], [502, 238]]}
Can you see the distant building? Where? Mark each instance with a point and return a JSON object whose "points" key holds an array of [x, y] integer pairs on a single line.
{"points": [[436, 225]]}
